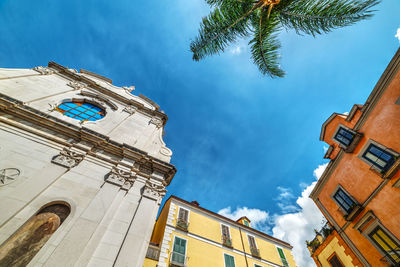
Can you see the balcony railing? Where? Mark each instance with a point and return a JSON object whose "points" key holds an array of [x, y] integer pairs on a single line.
{"points": [[392, 258], [226, 241], [182, 225], [177, 260], [153, 252], [320, 237], [255, 252], [355, 210]]}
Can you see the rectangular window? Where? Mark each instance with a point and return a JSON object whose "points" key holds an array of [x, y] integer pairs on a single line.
{"points": [[344, 136], [246, 223], [335, 262], [344, 201], [183, 215], [252, 242], [387, 245], [225, 231], [283, 258], [229, 260], [256, 265], [379, 157], [179, 252]]}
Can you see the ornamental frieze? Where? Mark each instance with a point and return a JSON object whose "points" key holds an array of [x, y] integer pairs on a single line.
{"points": [[68, 158]]}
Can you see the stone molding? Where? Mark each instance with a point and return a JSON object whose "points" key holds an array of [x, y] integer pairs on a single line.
{"points": [[154, 191], [100, 98], [44, 70], [76, 85], [157, 122], [68, 158], [131, 109], [119, 177]]}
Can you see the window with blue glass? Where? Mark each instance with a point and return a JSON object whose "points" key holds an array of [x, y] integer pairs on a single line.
{"points": [[344, 136], [344, 200], [379, 157], [82, 111]]}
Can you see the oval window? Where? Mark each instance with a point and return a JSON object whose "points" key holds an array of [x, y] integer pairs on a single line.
{"points": [[82, 111]]}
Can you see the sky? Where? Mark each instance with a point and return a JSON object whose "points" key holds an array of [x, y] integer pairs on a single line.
{"points": [[243, 143]]}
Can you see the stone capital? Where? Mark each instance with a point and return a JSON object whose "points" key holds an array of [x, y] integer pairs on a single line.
{"points": [[122, 178], [68, 158], [154, 191]]}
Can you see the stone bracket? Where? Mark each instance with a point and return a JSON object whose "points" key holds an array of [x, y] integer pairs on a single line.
{"points": [[68, 158], [121, 178]]}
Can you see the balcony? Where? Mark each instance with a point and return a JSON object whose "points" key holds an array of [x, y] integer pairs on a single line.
{"points": [[226, 241], [392, 258], [153, 252], [182, 225], [355, 210], [320, 237], [177, 260], [255, 252]]}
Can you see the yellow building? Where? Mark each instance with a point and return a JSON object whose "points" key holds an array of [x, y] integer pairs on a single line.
{"points": [[186, 234]]}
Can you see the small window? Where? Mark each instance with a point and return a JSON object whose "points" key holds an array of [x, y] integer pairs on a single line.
{"points": [[225, 231], [283, 258], [344, 136], [178, 256], [256, 265], [344, 200], [386, 244], [335, 262], [229, 260], [246, 223], [379, 157], [252, 242], [81, 111], [183, 215]]}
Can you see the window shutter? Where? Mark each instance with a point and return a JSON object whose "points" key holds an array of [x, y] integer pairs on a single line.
{"points": [[179, 250], [183, 214], [252, 242], [229, 261], [283, 258], [225, 231]]}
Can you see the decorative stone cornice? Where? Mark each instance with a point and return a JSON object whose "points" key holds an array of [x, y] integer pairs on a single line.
{"points": [[154, 191], [157, 122], [119, 177], [130, 109], [44, 70], [68, 158]]}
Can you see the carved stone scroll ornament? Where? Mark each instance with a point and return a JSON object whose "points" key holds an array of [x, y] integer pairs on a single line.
{"points": [[154, 191], [76, 85], [68, 158], [124, 179], [157, 122], [44, 70]]}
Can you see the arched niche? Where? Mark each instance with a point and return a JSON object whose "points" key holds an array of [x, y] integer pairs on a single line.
{"points": [[25, 243]]}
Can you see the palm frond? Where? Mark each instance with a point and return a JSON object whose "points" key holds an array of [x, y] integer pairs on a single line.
{"points": [[223, 26], [317, 17], [265, 45], [222, 2]]}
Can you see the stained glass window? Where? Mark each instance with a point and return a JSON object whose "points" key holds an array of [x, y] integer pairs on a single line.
{"points": [[82, 111]]}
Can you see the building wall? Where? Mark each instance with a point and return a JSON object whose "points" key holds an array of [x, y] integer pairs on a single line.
{"points": [[204, 242], [113, 186], [380, 123]]}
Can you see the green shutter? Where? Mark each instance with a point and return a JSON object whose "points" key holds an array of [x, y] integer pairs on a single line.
{"points": [[229, 261], [178, 254], [283, 258]]}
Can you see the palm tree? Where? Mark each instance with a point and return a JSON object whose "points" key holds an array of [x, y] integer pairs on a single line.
{"points": [[263, 19]]}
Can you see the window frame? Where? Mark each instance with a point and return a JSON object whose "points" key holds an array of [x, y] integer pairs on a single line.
{"points": [[371, 163], [173, 245], [80, 100], [281, 248], [188, 213], [347, 129], [254, 238], [337, 257], [339, 187], [376, 244], [367, 224], [257, 265], [229, 230], [223, 258]]}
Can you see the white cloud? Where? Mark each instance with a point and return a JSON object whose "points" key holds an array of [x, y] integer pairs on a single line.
{"points": [[295, 224], [398, 34], [259, 218], [298, 227], [236, 50]]}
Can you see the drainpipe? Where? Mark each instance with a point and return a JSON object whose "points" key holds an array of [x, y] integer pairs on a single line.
{"points": [[244, 251]]}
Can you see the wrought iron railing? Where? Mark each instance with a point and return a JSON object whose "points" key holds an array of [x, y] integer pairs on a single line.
{"points": [[255, 252], [226, 241], [182, 225], [320, 237]]}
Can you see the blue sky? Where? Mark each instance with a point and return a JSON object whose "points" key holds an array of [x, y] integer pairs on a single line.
{"points": [[239, 139]]}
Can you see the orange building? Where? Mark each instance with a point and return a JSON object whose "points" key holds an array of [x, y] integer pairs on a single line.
{"points": [[359, 192]]}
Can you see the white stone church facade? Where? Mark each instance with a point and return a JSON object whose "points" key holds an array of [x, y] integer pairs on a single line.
{"points": [[83, 169]]}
